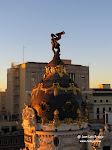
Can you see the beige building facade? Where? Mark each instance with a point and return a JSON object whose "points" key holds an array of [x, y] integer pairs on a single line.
{"points": [[102, 100]]}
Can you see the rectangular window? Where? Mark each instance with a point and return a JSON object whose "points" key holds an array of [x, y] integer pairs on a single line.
{"points": [[33, 76], [0, 141], [107, 101], [83, 76], [103, 110], [5, 141], [85, 97], [94, 101], [15, 140], [5, 129], [10, 141], [83, 88], [3, 106], [3, 98], [106, 118], [69, 74], [100, 101], [97, 110], [14, 128], [109, 108], [97, 116], [103, 116], [72, 76]]}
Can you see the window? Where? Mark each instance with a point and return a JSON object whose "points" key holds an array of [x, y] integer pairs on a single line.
{"points": [[100, 101], [0, 141], [83, 77], [103, 116], [5, 142], [103, 110], [33, 76], [72, 76], [21, 139], [56, 141], [5, 117], [69, 74], [14, 128], [5, 129], [83, 88], [15, 140], [106, 118], [94, 101], [109, 108], [10, 141], [107, 101], [106, 148], [3, 106], [3, 98], [97, 110], [85, 97], [97, 116]]}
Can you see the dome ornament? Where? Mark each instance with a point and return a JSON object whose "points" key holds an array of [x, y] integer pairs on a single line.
{"points": [[56, 121], [79, 117], [55, 44]]}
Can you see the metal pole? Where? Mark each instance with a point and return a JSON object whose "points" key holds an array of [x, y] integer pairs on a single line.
{"points": [[23, 54]]}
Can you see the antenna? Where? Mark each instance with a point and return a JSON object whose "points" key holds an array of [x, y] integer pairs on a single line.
{"points": [[23, 53]]}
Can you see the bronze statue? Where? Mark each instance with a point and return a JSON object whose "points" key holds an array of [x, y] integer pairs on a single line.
{"points": [[55, 44]]}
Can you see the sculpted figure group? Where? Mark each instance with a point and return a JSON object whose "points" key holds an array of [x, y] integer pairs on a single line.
{"points": [[55, 44]]}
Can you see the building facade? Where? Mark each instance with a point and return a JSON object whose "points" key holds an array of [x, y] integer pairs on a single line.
{"points": [[12, 140], [3, 106], [102, 101]]}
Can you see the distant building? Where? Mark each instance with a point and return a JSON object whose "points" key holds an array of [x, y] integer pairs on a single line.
{"points": [[88, 99], [22, 78], [3, 109], [102, 100], [12, 140]]}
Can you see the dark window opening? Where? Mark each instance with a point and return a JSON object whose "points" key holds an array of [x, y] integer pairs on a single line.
{"points": [[97, 116], [106, 148], [106, 118], [5, 142], [5, 129], [103, 110], [109, 108], [14, 128], [97, 110], [10, 141], [15, 140], [56, 141]]}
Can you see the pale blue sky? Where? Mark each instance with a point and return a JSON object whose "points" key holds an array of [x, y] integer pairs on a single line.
{"points": [[88, 38]]}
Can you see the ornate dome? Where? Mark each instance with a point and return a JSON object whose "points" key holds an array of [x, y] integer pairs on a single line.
{"points": [[56, 92]]}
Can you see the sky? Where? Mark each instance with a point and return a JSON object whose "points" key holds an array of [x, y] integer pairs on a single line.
{"points": [[87, 40]]}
